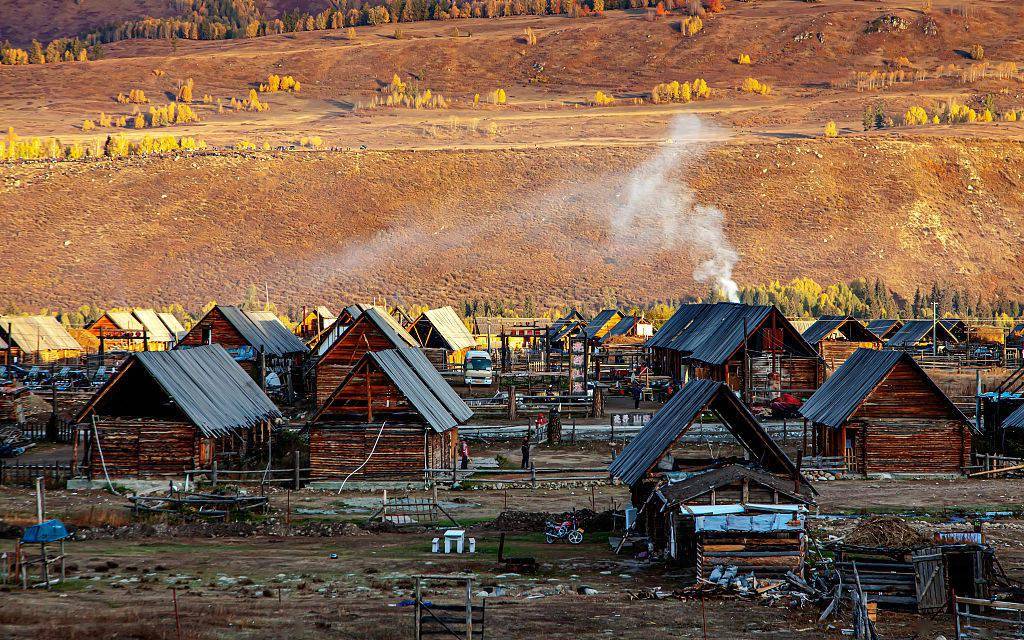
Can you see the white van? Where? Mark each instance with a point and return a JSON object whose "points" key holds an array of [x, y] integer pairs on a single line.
{"points": [[478, 368]]}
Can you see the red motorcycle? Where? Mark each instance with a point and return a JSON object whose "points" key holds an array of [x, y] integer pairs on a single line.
{"points": [[568, 530]]}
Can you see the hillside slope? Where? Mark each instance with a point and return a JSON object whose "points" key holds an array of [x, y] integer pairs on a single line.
{"points": [[504, 224]]}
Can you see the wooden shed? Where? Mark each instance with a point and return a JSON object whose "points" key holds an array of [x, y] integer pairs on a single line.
{"points": [[314, 323], [36, 340], [245, 335], [752, 348], [884, 328], [373, 330], [158, 336], [119, 331], [392, 418], [560, 330], [443, 334], [836, 337], [922, 335], [167, 411], [882, 413]]}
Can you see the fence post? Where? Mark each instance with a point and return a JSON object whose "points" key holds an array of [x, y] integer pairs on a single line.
{"points": [[295, 456], [213, 472], [611, 423], [512, 408]]}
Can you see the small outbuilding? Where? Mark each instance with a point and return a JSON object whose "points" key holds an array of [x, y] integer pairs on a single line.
{"points": [[601, 324], [836, 337], [314, 323], [157, 336], [443, 335], [882, 413], [921, 336], [164, 412], [373, 330], [884, 328], [391, 419]]}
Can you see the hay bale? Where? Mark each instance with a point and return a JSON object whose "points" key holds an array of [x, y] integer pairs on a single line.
{"points": [[886, 531]]}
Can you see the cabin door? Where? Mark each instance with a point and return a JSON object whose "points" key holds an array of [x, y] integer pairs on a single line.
{"points": [[205, 453]]}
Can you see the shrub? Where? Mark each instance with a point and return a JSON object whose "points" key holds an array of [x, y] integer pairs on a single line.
{"points": [[185, 90], [752, 85], [135, 96], [88, 125], [529, 36], [915, 116], [350, 33], [743, 59], [399, 93], [691, 25], [831, 130], [601, 99], [976, 52]]}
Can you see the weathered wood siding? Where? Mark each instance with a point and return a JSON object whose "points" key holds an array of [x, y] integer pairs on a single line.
{"points": [[403, 451], [835, 352], [135, 448], [360, 338], [223, 332]]}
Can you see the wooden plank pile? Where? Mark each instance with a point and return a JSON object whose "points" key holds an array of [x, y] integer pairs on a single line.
{"points": [[198, 506]]}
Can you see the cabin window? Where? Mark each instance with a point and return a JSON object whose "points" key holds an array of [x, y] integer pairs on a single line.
{"points": [[207, 335]]}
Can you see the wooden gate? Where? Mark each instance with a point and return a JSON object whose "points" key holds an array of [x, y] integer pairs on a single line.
{"points": [[464, 620], [930, 581]]}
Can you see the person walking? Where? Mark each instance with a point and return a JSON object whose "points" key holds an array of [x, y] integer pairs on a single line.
{"points": [[526, 453], [464, 454], [638, 393]]}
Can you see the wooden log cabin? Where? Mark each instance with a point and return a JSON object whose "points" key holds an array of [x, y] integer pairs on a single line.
{"points": [[314, 323], [119, 331], [390, 419], [665, 481], [836, 337], [373, 330], [36, 340], [164, 412], [882, 413], [443, 335], [752, 348], [245, 335], [884, 328], [922, 336]]}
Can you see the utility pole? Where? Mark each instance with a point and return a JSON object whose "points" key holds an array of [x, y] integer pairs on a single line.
{"points": [[935, 327]]}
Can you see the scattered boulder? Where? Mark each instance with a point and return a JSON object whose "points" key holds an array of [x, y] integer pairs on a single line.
{"points": [[889, 23]]}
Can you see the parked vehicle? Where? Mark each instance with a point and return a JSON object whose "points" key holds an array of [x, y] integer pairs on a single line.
{"points": [[568, 529], [478, 368]]}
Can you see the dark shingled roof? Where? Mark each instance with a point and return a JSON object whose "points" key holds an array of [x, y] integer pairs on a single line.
{"points": [[881, 326], [677, 415], [264, 331], [209, 387], [850, 328], [598, 322], [418, 380], [675, 325], [844, 391]]}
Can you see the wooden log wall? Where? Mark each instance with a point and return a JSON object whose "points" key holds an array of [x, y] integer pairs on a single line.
{"points": [[134, 448], [905, 393], [763, 553], [336, 450], [904, 445], [362, 337], [835, 352], [223, 332]]}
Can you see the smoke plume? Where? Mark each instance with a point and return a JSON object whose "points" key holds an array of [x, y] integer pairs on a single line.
{"points": [[660, 209]]}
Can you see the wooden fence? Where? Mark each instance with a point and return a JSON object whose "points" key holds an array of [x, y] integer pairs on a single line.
{"points": [[55, 475], [63, 431], [977, 619]]}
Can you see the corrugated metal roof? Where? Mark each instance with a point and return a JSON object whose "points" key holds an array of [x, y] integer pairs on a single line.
{"points": [[822, 327], [675, 325], [916, 331], [450, 327], [1015, 420], [324, 312], [764, 523], [594, 327], [423, 386], [388, 326], [206, 384], [173, 325], [716, 333], [37, 333], [623, 326], [125, 321], [3, 345], [678, 414], [263, 330], [155, 328], [882, 326]]}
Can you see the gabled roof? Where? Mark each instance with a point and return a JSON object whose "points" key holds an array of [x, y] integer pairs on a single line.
{"points": [[204, 382], [350, 314], [324, 312], [264, 331], [914, 331], [844, 391], [714, 333], [676, 417], [698, 484], [385, 323], [3, 345], [37, 333], [675, 325], [449, 327], [849, 328], [883, 327], [418, 380], [125, 321], [623, 326], [173, 325], [594, 327], [156, 330], [496, 325]]}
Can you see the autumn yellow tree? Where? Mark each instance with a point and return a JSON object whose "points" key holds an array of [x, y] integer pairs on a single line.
{"points": [[831, 130]]}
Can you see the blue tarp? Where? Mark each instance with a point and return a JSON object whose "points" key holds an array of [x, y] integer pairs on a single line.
{"points": [[756, 524], [49, 531]]}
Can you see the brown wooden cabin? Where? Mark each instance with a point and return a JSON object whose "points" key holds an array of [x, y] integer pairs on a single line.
{"points": [[836, 337], [752, 348], [36, 340], [883, 414], [560, 330], [443, 336], [314, 323], [373, 330], [164, 412], [246, 334], [390, 419], [921, 336], [650, 466], [119, 331], [601, 324], [884, 328]]}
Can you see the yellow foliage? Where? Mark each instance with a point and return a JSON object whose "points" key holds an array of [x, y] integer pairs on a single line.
{"points": [[831, 130], [185, 90], [1010, 116], [915, 116], [743, 59], [691, 25], [244, 145], [752, 85], [601, 99], [88, 125], [701, 90]]}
